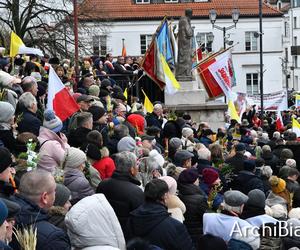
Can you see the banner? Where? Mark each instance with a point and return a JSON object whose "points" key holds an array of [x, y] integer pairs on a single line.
{"points": [[272, 101]]}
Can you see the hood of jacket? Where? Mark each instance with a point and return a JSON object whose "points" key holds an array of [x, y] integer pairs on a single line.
{"points": [[47, 134], [145, 218], [92, 222], [30, 213]]}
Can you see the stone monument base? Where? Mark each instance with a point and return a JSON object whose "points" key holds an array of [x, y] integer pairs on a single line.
{"points": [[192, 100]]}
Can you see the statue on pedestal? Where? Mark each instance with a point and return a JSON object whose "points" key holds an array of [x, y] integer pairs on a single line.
{"points": [[185, 52]]}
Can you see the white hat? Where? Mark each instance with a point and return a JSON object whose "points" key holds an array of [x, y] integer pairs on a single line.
{"points": [[158, 157], [6, 80]]}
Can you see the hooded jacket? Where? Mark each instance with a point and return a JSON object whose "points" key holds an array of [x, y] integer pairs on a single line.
{"points": [[49, 237], [52, 149], [93, 224], [151, 221], [247, 181]]}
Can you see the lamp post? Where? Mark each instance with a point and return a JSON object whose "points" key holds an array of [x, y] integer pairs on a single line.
{"points": [[235, 19]]}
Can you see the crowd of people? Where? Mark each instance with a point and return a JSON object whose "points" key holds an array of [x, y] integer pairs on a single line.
{"points": [[112, 176]]}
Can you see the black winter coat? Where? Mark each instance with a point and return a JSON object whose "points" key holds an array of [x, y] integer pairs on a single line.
{"points": [[123, 194], [29, 123], [237, 162], [49, 237], [152, 222], [77, 137], [152, 120], [270, 159], [247, 181], [195, 202]]}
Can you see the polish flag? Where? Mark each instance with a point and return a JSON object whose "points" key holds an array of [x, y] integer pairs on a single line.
{"points": [[59, 98], [279, 122]]}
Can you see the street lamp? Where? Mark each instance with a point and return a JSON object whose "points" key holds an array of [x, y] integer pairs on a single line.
{"points": [[235, 18]]}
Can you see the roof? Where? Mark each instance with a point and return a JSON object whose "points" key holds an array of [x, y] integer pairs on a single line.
{"points": [[92, 10]]}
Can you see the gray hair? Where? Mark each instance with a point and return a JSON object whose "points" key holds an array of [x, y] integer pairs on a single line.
{"points": [[34, 183], [121, 131], [27, 100], [157, 107], [125, 161], [83, 118], [27, 83]]}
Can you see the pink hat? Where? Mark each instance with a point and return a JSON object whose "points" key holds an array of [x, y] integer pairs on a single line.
{"points": [[171, 182]]}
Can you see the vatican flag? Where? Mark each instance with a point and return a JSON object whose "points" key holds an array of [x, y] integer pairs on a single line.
{"points": [[296, 127]]}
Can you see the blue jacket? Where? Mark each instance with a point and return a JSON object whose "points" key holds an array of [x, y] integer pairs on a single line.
{"points": [[152, 222], [49, 237], [218, 199]]}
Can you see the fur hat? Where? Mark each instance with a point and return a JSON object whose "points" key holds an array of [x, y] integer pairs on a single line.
{"points": [[6, 80], [127, 143], [7, 112], [187, 132], [277, 184], [62, 195], [291, 163], [295, 213], [172, 184], [209, 176], [74, 157], [51, 121], [158, 157], [279, 211], [188, 176]]}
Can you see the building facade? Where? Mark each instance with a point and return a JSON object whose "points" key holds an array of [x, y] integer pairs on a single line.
{"points": [[137, 20]]}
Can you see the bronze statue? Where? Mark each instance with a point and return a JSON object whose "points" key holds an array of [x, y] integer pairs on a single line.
{"points": [[185, 53]]}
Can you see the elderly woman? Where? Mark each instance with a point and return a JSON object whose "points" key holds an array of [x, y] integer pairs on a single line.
{"points": [[74, 178], [53, 143], [28, 119]]}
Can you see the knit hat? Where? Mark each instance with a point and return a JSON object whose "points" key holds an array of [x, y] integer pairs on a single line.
{"points": [[97, 112], [127, 143], [277, 184], [188, 176], [94, 90], [249, 165], [286, 153], [12, 207], [7, 112], [209, 176], [172, 184], [5, 159], [74, 157], [291, 163], [158, 157], [51, 121], [240, 147], [3, 212], [235, 198], [257, 198], [175, 143], [266, 171], [138, 122], [187, 132], [62, 195]]}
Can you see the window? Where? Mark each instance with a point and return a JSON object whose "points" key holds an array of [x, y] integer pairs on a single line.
{"points": [[295, 22], [100, 45], [252, 83], [142, 1], [295, 41], [171, 1], [286, 52], [286, 29], [145, 42], [295, 58], [250, 41], [205, 41]]}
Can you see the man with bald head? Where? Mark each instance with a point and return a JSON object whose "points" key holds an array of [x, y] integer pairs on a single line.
{"points": [[36, 196]]}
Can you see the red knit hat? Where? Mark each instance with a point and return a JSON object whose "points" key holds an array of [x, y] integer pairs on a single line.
{"points": [[138, 122], [209, 176]]}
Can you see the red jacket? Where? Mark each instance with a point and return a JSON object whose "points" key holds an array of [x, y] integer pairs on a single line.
{"points": [[105, 167]]}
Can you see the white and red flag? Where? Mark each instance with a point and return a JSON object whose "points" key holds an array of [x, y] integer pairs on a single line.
{"points": [[59, 98]]}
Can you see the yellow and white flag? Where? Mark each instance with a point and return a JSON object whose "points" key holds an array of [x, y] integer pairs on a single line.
{"points": [[296, 127], [172, 85], [18, 47], [148, 106]]}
